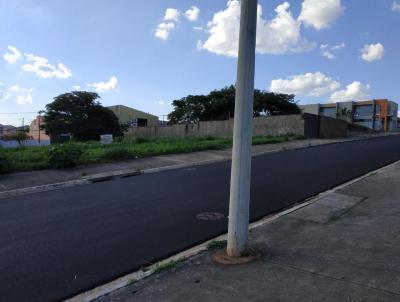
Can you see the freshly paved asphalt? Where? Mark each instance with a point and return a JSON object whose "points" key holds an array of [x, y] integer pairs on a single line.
{"points": [[59, 243]]}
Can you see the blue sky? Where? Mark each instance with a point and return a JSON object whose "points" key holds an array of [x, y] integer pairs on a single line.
{"points": [[141, 54]]}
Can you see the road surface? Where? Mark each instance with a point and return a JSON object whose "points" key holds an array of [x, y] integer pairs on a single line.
{"points": [[56, 244]]}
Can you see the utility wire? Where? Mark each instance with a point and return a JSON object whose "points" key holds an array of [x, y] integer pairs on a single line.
{"points": [[18, 113]]}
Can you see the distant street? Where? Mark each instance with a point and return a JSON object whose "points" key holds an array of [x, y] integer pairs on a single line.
{"points": [[56, 244]]}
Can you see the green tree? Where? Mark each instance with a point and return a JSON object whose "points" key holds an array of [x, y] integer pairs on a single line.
{"points": [[80, 114], [220, 105], [269, 103]]}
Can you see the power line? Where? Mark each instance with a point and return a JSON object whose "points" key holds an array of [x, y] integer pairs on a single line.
{"points": [[18, 112]]}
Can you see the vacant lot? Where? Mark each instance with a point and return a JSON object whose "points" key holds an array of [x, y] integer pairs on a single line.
{"points": [[75, 153]]}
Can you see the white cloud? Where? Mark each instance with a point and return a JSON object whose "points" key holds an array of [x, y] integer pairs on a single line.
{"points": [[309, 84], [320, 14], [17, 88], [24, 99], [76, 87], [354, 91], [329, 55], [13, 56], [338, 46], [224, 31], [279, 35], [38, 65], [163, 30], [396, 6], [42, 68], [112, 84], [160, 103], [372, 52], [22, 96], [171, 18], [328, 51], [171, 14], [193, 13], [4, 95], [282, 34]]}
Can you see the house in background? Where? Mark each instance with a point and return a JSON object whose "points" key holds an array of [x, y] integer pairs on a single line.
{"points": [[35, 132], [7, 130], [378, 115], [8, 139], [134, 118]]}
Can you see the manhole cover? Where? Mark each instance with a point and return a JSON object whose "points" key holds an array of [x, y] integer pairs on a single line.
{"points": [[210, 216]]}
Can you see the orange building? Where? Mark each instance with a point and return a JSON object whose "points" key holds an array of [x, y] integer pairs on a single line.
{"points": [[378, 114], [35, 132]]}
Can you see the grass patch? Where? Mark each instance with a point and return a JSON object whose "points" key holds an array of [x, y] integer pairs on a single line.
{"points": [[118, 154], [263, 140], [167, 265], [217, 244], [132, 281], [45, 157]]}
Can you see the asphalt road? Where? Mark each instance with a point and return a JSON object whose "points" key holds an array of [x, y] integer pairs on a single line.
{"points": [[56, 244]]}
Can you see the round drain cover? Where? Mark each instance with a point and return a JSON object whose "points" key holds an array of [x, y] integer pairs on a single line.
{"points": [[210, 216]]}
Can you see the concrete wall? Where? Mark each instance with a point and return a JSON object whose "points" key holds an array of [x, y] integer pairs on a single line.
{"points": [[27, 143], [394, 107], [331, 128], [278, 125], [317, 126], [273, 125]]}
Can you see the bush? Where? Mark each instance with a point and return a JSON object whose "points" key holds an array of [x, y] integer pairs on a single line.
{"points": [[117, 154], [5, 164], [119, 139], [141, 140], [63, 156], [209, 138]]}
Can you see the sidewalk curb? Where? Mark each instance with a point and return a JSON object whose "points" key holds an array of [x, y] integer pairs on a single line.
{"points": [[43, 188], [128, 279], [131, 172], [282, 149], [72, 183]]}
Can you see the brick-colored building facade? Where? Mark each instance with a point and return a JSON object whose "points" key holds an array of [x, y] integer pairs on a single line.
{"points": [[35, 132]]}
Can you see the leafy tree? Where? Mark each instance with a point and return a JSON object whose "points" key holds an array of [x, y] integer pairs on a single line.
{"points": [[269, 103], [79, 114], [220, 105], [192, 108]]}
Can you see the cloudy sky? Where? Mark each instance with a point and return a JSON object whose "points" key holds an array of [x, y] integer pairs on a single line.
{"points": [[144, 54]]}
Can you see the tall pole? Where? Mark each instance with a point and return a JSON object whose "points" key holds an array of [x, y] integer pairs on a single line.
{"points": [[39, 121], [39, 117], [242, 133]]}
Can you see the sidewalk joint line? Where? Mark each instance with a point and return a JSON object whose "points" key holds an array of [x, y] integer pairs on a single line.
{"points": [[334, 278]]}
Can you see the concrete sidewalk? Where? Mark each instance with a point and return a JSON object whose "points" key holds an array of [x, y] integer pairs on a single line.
{"points": [[344, 246], [22, 180]]}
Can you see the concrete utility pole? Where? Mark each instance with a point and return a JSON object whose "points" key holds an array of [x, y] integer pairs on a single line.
{"points": [[39, 120], [242, 132], [39, 117]]}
